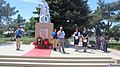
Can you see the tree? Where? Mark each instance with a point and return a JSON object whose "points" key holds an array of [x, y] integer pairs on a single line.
{"points": [[106, 11], [115, 32], [19, 20], [74, 11], [14, 23], [30, 26], [6, 11]]}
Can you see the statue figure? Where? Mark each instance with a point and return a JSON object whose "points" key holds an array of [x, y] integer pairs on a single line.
{"points": [[44, 16]]}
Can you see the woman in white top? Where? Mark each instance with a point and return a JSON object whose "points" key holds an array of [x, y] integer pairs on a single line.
{"points": [[76, 36]]}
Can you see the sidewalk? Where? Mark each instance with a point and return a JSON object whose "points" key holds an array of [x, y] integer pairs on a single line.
{"points": [[10, 49]]}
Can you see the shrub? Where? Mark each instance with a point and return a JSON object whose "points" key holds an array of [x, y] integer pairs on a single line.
{"points": [[3, 40], [115, 45], [8, 35], [27, 40]]}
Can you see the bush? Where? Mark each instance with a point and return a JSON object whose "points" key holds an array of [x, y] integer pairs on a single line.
{"points": [[3, 40], [8, 35], [115, 45], [1, 36], [27, 40], [116, 38]]}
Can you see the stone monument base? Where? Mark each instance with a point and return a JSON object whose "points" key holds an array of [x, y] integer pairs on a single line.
{"points": [[43, 30]]}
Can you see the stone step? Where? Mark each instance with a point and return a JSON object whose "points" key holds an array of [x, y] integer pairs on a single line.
{"points": [[34, 64], [38, 57], [58, 60], [28, 61]]}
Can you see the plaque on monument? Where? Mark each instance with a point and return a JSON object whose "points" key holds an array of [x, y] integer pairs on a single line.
{"points": [[44, 33]]}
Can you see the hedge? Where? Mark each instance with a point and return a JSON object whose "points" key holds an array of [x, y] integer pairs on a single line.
{"points": [[115, 45]]}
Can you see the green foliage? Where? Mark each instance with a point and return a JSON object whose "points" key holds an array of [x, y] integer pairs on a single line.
{"points": [[6, 11], [115, 45], [8, 35], [27, 40], [19, 21], [75, 11], [110, 13], [117, 38], [4, 40], [115, 32], [104, 12], [30, 27]]}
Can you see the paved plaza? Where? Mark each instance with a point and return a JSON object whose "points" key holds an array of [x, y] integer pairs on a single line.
{"points": [[27, 56], [10, 49]]}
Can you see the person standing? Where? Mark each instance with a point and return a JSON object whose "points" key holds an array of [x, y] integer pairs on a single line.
{"points": [[61, 39], [103, 43], [18, 35], [85, 39], [54, 38], [76, 36]]}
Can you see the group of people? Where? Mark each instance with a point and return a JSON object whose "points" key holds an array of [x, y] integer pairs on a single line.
{"points": [[102, 43], [60, 37]]}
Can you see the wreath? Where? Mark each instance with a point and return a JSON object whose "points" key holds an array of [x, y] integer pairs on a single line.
{"points": [[39, 41]]}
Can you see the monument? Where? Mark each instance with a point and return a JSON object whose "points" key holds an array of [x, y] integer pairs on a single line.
{"points": [[44, 28], [44, 16]]}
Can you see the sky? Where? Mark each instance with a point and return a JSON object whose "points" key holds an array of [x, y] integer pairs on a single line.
{"points": [[26, 7]]}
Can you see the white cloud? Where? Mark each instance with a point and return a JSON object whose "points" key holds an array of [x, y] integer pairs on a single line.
{"points": [[32, 1]]}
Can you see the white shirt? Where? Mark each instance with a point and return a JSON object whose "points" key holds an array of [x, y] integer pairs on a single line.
{"points": [[75, 33], [76, 37], [61, 34]]}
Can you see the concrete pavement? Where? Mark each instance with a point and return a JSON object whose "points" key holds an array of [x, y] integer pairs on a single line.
{"points": [[10, 49], [9, 56]]}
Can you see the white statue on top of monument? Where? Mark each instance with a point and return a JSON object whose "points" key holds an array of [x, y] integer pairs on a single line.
{"points": [[44, 16]]}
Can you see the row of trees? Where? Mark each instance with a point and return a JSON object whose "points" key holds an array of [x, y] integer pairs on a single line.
{"points": [[70, 14], [76, 13]]}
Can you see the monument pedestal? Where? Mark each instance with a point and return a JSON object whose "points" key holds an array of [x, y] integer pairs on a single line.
{"points": [[43, 30]]}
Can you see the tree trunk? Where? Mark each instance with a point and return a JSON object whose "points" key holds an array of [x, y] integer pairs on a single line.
{"points": [[1, 26], [0, 22], [108, 32], [97, 32]]}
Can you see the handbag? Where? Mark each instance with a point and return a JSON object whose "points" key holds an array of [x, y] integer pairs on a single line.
{"points": [[85, 40], [76, 37]]}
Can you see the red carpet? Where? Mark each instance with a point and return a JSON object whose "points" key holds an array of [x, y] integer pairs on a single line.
{"points": [[39, 52]]}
